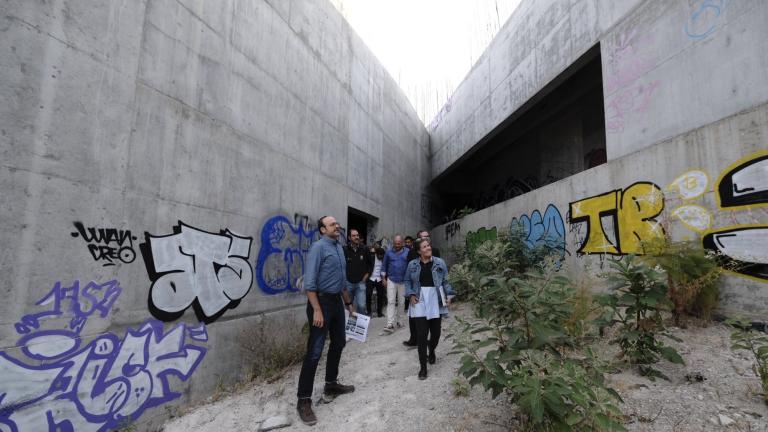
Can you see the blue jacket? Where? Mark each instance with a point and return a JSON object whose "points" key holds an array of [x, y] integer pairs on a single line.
{"points": [[325, 268], [439, 275]]}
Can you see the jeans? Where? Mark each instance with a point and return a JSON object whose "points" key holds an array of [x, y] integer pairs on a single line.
{"points": [[357, 293], [426, 327], [381, 296], [333, 323], [394, 291]]}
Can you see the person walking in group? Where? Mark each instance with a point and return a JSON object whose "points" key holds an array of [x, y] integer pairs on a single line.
{"points": [[413, 255], [393, 274], [358, 263], [430, 295], [324, 282], [375, 282], [408, 242]]}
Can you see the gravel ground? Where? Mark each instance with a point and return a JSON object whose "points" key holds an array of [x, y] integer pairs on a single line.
{"points": [[389, 397], [722, 392]]}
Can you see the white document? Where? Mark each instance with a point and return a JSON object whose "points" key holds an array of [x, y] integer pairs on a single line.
{"points": [[357, 326]]}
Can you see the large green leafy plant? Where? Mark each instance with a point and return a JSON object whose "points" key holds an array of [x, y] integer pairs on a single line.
{"points": [[522, 343], [636, 302]]}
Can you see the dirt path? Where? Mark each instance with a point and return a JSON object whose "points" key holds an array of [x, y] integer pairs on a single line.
{"points": [[388, 395]]}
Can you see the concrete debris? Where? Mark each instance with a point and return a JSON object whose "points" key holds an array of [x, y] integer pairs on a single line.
{"points": [[275, 422]]}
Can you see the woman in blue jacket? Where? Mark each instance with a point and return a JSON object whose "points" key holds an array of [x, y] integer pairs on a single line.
{"points": [[430, 295]]}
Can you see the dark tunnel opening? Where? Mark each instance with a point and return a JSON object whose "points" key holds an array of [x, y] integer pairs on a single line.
{"points": [[557, 133]]}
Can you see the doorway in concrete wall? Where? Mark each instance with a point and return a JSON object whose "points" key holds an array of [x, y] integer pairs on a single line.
{"points": [[364, 223], [558, 132]]}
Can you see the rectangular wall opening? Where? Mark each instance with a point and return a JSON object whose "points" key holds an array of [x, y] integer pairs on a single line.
{"points": [[557, 133], [364, 223]]}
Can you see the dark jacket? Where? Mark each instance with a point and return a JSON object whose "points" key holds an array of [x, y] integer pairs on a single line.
{"points": [[358, 262]]}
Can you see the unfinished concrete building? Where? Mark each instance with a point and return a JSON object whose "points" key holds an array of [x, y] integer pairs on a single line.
{"points": [[164, 163]]}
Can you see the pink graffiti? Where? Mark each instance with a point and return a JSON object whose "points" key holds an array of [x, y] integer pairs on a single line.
{"points": [[627, 63], [636, 99]]}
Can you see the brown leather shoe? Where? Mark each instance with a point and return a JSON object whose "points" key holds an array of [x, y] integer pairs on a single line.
{"points": [[307, 416], [335, 389]]}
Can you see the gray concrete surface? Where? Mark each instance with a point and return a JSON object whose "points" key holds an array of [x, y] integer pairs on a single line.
{"points": [[134, 115], [668, 67], [195, 142], [697, 160]]}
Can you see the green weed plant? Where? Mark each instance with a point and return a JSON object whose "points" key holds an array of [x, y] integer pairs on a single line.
{"points": [[744, 337], [636, 302]]}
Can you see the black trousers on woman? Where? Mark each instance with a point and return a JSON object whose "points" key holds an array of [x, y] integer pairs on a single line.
{"points": [[381, 296], [426, 327]]}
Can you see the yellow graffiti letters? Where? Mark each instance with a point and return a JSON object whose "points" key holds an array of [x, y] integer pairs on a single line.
{"points": [[633, 212], [591, 210], [640, 203]]}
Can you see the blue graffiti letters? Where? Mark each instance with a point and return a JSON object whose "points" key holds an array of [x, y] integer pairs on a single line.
{"points": [[284, 246], [544, 231]]}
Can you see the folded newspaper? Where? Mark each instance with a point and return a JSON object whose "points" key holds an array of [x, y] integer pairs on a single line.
{"points": [[357, 326]]}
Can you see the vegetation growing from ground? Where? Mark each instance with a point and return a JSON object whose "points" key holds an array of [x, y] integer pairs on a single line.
{"points": [[636, 302], [746, 338], [692, 276], [531, 336], [530, 319]]}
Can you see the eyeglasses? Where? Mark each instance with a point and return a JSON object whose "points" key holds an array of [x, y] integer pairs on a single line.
{"points": [[335, 224]]}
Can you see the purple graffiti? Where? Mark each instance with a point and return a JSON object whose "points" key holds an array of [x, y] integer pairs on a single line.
{"points": [[78, 302], [101, 385]]}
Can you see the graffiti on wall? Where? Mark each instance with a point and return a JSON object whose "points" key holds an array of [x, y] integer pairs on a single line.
{"points": [[543, 231], [619, 221], [195, 267], [629, 59], [476, 238], [60, 384], [452, 229], [689, 186], [744, 183], [76, 302], [742, 248], [624, 103], [705, 18], [284, 246], [107, 245]]}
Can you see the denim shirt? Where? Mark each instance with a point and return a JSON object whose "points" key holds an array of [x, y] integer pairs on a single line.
{"points": [[395, 264], [325, 268], [439, 274]]}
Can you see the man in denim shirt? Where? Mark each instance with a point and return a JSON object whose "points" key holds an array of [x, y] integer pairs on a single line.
{"points": [[324, 282], [393, 272]]}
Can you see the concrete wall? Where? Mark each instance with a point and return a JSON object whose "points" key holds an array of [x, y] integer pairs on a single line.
{"points": [[685, 86], [163, 163], [682, 187], [668, 67]]}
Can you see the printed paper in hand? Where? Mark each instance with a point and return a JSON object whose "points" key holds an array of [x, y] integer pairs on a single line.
{"points": [[357, 326]]}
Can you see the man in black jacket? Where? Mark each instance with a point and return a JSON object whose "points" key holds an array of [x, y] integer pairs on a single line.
{"points": [[358, 264], [412, 255]]}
